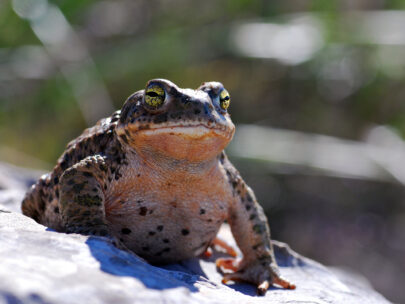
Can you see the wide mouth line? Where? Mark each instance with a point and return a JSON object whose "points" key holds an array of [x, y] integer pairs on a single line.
{"points": [[183, 126]]}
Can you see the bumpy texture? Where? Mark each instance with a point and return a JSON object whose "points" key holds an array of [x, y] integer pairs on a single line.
{"points": [[154, 179]]}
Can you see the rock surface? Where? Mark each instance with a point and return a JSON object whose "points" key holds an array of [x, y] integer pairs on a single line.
{"points": [[41, 266]]}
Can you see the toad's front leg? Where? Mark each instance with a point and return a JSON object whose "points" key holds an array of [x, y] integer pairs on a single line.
{"points": [[251, 231], [81, 200]]}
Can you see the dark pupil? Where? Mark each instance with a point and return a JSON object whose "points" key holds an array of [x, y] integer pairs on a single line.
{"points": [[226, 98], [152, 94]]}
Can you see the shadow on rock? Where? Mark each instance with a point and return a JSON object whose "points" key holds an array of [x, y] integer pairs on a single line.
{"points": [[120, 263]]}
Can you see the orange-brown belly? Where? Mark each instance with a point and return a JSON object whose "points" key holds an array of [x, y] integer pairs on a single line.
{"points": [[166, 232]]}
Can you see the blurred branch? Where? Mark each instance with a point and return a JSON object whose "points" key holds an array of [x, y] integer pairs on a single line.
{"points": [[381, 157], [70, 55]]}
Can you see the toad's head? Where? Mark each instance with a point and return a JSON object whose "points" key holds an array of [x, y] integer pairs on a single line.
{"points": [[175, 123]]}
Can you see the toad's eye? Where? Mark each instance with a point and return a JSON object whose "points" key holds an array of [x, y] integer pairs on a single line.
{"points": [[224, 99], [154, 96]]}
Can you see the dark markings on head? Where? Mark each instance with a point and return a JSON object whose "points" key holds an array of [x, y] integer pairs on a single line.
{"points": [[166, 241], [159, 228], [151, 232], [202, 211], [185, 231]]}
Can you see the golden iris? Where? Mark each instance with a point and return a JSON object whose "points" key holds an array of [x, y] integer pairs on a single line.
{"points": [[154, 96], [224, 99]]}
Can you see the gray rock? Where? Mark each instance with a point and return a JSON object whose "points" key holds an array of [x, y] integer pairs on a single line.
{"points": [[42, 266]]}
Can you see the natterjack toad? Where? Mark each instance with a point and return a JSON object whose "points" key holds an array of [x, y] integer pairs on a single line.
{"points": [[153, 178]]}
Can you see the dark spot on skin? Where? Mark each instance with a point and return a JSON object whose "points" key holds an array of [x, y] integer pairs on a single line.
{"points": [[252, 216], [122, 202], [197, 111], [103, 167], [124, 139], [70, 182], [185, 231], [138, 175], [249, 197], [254, 247], [165, 240], [167, 249], [151, 232], [159, 228], [160, 118], [79, 187], [202, 211], [121, 239], [139, 201], [248, 207], [56, 180], [259, 229], [57, 193], [50, 197], [87, 174], [209, 220], [173, 204], [63, 165], [143, 211], [263, 257], [151, 211], [86, 213], [105, 187], [234, 184], [126, 231], [88, 200], [144, 127], [146, 248], [56, 209]]}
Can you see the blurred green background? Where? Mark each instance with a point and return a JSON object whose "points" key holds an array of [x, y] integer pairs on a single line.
{"points": [[317, 93]]}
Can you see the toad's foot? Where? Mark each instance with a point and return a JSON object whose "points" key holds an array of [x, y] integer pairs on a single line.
{"points": [[221, 244], [262, 274]]}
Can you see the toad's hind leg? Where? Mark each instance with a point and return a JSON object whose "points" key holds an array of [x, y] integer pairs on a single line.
{"points": [[81, 200]]}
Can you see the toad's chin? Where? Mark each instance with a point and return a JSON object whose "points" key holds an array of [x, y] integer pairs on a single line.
{"points": [[193, 143]]}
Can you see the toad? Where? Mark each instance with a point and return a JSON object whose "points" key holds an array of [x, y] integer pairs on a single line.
{"points": [[154, 179]]}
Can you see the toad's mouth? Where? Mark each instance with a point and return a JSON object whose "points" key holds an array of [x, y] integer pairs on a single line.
{"points": [[188, 130]]}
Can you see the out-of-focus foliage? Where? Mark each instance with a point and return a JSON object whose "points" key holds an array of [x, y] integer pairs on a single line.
{"points": [[332, 67], [328, 67]]}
